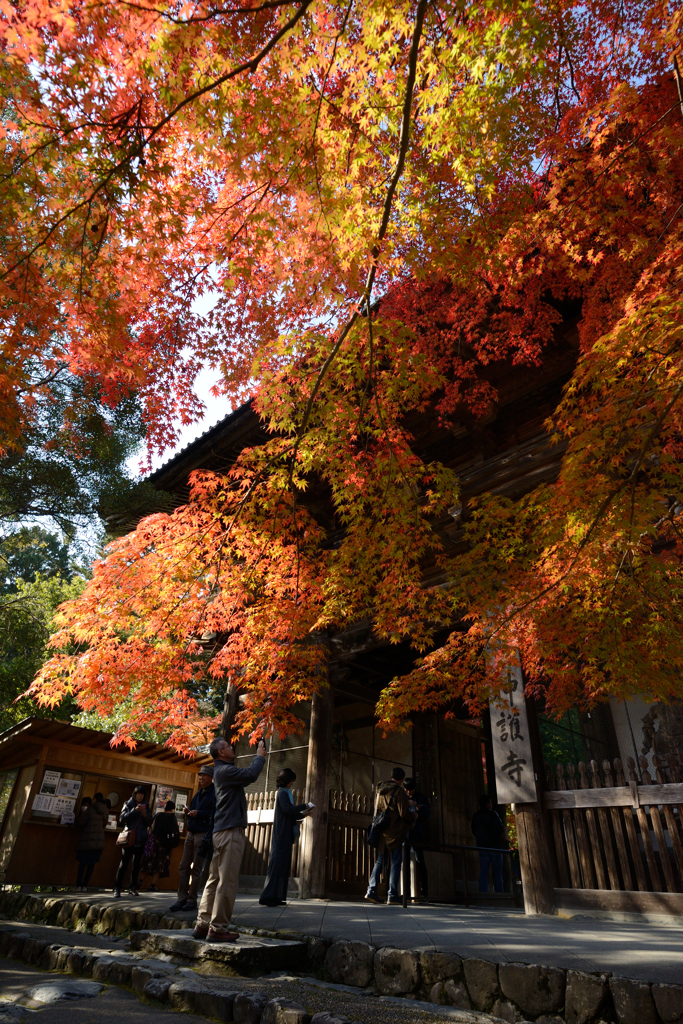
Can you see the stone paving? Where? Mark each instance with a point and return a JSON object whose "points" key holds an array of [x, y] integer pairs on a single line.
{"points": [[644, 950], [111, 1006], [157, 956]]}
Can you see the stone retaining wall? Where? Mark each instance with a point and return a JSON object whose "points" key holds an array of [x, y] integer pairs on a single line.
{"points": [[80, 916], [512, 992]]}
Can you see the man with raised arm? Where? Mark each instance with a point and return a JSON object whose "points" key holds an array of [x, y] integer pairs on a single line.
{"points": [[228, 837]]}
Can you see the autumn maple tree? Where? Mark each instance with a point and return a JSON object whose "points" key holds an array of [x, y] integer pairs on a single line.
{"points": [[379, 200]]}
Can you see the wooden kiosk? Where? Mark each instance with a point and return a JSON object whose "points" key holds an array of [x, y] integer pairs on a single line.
{"points": [[47, 767]]}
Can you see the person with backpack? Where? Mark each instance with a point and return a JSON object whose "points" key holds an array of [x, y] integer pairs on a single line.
{"points": [[394, 817], [489, 832]]}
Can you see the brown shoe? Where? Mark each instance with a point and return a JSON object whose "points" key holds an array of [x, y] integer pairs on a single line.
{"points": [[200, 932], [215, 935]]}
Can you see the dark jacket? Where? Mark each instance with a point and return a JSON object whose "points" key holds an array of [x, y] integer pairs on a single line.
{"points": [[287, 815], [393, 797], [204, 803], [231, 803], [165, 829], [418, 832], [489, 830], [133, 818], [92, 821]]}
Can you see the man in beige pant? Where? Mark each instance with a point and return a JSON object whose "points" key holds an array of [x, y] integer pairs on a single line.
{"points": [[229, 824]]}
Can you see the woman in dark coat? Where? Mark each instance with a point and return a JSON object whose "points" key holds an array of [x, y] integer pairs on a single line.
{"points": [[91, 820], [285, 833], [164, 836], [135, 817]]}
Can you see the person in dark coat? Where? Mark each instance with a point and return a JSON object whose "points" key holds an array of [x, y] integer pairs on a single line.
{"points": [[489, 831], [418, 835], [135, 816], [285, 833], [91, 820], [195, 861], [164, 836]]}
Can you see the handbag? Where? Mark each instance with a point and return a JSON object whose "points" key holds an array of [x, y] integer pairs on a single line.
{"points": [[380, 823], [126, 837]]}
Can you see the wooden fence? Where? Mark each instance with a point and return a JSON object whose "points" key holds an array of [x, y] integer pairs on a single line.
{"points": [[617, 829], [260, 814]]}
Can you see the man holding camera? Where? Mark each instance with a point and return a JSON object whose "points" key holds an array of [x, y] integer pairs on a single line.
{"points": [[228, 838]]}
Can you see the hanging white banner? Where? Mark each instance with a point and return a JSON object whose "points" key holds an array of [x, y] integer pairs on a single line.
{"points": [[515, 779]]}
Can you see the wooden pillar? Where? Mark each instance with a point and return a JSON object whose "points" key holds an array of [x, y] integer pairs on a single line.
{"points": [[314, 840], [536, 860]]}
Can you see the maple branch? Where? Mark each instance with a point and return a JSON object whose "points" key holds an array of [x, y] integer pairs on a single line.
{"points": [[268, 5], [661, 236], [320, 103], [638, 395], [603, 507], [251, 65], [404, 140], [617, 158], [679, 84]]}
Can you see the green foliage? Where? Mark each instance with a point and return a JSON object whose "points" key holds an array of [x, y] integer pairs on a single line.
{"points": [[69, 464], [562, 739], [28, 553], [26, 621]]}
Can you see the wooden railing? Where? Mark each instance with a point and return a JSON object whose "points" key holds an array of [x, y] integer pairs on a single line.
{"points": [[617, 829]]}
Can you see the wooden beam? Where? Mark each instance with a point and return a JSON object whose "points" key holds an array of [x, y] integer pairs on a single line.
{"points": [[582, 900], [616, 796]]}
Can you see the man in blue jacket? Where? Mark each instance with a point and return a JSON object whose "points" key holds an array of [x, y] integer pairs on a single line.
{"points": [[194, 867], [228, 837]]}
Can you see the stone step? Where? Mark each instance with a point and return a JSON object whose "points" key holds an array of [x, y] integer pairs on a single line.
{"points": [[248, 954]]}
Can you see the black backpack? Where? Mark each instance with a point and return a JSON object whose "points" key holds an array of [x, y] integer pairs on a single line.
{"points": [[379, 824]]}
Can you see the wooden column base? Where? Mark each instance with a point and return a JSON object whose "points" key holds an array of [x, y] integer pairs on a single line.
{"points": [[535, 860]]}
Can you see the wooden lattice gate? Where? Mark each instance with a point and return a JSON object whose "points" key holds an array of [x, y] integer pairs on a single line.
{"points": [[349, 858]]}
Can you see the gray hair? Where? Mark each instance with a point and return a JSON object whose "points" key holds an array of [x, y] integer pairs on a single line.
{"points": [[215, 745]]}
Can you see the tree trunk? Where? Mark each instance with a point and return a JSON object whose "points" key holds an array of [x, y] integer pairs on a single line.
{"points": [[230, 706]]}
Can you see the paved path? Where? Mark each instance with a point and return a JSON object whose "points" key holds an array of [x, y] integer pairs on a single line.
{"points": [[645, 951], [650, 952], [112, 1006]]}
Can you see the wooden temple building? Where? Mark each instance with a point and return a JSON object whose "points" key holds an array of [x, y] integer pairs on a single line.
{"points": [[569, 852], [588, 838]]}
